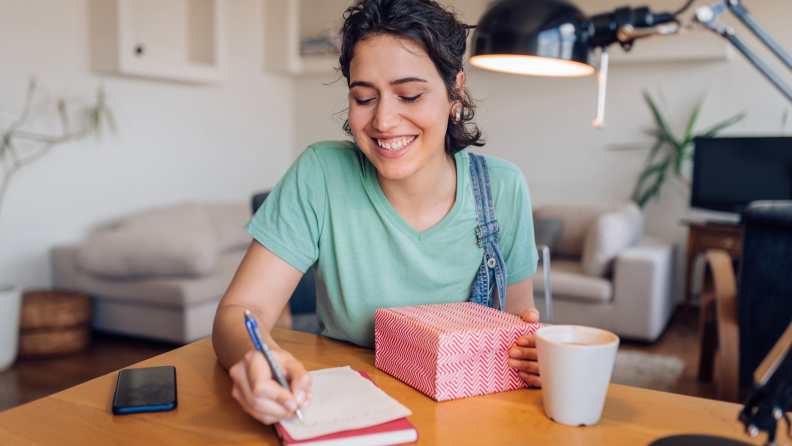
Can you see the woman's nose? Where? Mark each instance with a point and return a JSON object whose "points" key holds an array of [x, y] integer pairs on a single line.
{"points": [[386, 116]]}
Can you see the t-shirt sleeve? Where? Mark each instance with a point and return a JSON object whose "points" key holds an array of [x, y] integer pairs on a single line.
{"points": [[517, 234], [289, 221]]}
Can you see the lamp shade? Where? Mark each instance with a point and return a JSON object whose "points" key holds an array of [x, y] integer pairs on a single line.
{"points": [[537, 37]]}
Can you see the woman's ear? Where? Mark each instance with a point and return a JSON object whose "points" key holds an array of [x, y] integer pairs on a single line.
{"points": [[459, 84], [459, 88]]}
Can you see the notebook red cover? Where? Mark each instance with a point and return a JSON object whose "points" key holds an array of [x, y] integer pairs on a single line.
{"points": [[345, 437]]}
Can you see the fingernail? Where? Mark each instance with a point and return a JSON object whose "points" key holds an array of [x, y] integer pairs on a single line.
{"points": [[300, 397], [290, 404], [513, 353], [513, 363]]}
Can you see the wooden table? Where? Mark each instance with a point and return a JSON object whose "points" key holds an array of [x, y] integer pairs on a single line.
{"points": [[207, 414]]}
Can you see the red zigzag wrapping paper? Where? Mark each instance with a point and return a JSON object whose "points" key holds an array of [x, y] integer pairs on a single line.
{"points": [[449, 351]]}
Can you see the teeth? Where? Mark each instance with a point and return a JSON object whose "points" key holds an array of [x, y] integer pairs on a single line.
{"points": [[395, 144]]}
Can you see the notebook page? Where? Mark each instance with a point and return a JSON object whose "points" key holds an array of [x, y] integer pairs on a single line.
{"points": [[343, 400]]}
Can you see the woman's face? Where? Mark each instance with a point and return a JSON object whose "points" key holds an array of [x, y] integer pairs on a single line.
{"points": [[398, 106]]}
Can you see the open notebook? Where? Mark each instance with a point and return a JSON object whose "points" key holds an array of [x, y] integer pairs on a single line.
{"points": [[347, 408]]}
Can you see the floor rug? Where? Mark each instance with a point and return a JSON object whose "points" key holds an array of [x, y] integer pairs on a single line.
{"points": [[647, 371]]}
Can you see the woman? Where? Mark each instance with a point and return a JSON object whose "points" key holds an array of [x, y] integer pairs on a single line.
{"points": [[389, 219]]}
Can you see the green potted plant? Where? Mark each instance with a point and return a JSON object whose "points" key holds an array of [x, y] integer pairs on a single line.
{"points": [[19, 147], [669, 151]]}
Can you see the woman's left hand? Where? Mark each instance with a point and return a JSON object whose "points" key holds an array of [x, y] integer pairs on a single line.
{"points": [[523, 356]]}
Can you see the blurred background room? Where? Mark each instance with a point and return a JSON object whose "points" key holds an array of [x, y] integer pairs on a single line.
{"points": [[138, 132]]}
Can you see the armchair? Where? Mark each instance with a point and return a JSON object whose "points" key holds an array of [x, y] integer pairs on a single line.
{"points": [[605, 273]]}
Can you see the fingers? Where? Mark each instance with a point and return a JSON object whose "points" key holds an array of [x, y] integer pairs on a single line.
{"points": [[530, 315], [524, 358], [260, 395], [531, 379], [524, 366], [299, 379], [263, 385], [527, 341], [518, 352]]}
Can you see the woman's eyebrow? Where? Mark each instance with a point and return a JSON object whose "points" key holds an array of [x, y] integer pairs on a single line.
{"points": [[406, 80], [393, 82], [361, 84]]}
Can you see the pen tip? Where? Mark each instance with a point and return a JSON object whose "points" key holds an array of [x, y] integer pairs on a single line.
{"points": [[300, 416], [247, 312]]}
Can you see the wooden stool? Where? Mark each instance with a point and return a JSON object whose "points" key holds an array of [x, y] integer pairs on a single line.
{"points": [[54, 323]]}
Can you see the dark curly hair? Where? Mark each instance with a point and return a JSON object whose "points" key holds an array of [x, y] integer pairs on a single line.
{"points": [[437, 31]]}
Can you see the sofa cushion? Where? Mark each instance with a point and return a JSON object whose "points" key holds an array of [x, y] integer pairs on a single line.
{"points": [[609, 235], [126, 253], [175, 292], [229, 220], [577, 220], [181, 217], [568, 282], [176, 240]]}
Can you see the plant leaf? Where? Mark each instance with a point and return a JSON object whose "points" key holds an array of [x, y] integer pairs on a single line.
{"points": [[722, 125], [694, 116], [64, 115], [641, 195], [661, 122]]}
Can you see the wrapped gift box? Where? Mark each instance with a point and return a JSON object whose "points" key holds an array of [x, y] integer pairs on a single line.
{"points": [[450, 351]]}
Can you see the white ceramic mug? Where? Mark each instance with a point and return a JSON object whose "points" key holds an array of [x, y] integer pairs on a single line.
{"points": [[575, 364]]}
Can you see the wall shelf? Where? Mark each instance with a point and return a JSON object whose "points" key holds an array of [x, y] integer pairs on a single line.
{"points": [[289, 22], [178, 40]]}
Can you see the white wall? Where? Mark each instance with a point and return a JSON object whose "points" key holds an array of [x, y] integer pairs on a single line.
{"points": [[544, 124], [176, 141], [190, 142]]}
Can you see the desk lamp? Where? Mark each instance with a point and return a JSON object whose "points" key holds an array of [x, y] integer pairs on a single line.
{"points": [[554, 38]]}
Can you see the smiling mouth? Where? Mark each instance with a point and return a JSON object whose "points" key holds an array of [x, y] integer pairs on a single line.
{"points": [[394, 143]]}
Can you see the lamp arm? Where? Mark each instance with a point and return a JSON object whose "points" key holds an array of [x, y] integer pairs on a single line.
{"points": [[741, 13], [772, 391], [708, 16]]}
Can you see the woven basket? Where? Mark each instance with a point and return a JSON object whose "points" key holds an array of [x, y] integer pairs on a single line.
{"points": [[54, 323]]}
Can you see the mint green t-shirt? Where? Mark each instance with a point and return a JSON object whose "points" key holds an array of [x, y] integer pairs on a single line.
{"points": [[329, 212]]}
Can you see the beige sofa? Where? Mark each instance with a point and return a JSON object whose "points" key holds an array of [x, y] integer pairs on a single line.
{"points": [[604, 273], [159, 274]]}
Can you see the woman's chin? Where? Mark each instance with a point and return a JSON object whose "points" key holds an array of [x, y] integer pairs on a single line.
{"points": [[394, 173]]}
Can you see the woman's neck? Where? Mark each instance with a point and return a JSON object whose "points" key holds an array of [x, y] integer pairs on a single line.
{"points": [[427, 196]]}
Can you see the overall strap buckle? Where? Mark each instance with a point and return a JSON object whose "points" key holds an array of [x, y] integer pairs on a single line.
{"points": [[488, 233]]}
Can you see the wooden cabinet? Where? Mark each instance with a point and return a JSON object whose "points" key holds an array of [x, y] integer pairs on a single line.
{"points": [[177, 40], [707, 235]]}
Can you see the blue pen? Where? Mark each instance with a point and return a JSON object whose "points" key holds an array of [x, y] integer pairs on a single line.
{"points": [[261, 345]]}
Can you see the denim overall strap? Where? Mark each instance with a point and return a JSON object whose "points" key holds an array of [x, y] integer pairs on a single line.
{"points": [[492, 272]]}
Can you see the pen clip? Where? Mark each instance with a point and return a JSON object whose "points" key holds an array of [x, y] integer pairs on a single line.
{"points": [[250, 326]]}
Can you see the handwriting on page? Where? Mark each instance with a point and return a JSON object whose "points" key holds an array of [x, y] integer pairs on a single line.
{"points": [[343, 400]]}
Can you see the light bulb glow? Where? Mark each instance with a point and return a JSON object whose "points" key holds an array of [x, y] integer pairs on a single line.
{"points": [[531, 65]]}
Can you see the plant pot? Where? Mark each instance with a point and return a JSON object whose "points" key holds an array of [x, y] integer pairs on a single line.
{"points": [[10, 309]]}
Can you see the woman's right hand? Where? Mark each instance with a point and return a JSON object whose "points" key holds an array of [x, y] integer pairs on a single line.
{"points": [[261, 396]]}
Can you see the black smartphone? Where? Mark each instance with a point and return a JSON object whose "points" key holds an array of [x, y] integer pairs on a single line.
{"points": [[148, 389]]}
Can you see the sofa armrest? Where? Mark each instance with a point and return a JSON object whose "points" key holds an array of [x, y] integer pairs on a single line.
{"points": [[64, 268], [642, 282]]}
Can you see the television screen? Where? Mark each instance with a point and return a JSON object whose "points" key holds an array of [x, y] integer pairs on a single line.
{"points": [[729, 173]]}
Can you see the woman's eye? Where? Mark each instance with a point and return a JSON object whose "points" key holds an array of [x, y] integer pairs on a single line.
{"points": [[411, 99], [363, 101]]}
